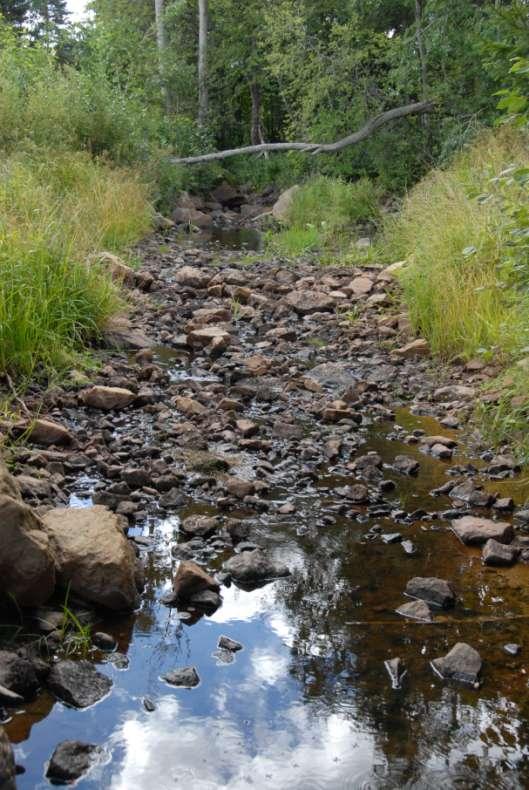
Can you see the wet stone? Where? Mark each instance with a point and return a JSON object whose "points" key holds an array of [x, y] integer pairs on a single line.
{"points": [[495, 553], [187, 677], [416, 610], [473, 531], [251, 567], [71, 760], [406, 465], [512, 649], [391, 537], [462, 663], [225, 643], [396, 671], [432, 590], [104, 641], [78, 683]]}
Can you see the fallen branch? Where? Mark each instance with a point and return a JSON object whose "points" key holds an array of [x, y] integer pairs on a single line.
{"points": [[316, 148]]}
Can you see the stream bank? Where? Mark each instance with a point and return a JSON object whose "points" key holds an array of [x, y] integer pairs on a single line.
{"points": [[286, 405]]}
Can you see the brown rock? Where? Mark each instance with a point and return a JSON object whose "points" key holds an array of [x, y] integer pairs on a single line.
{"points": [[283, 205], [93, 556], [7, 763], [192, 277], [45, 432], [247, 427], [417, 348], [257, 365], [8, 485], [189, 407], [107, 398], [27, 566], [190, 579], [239, 488], [200, 338], [192, 216], [310, 301], [473, 531], [361, 286]]}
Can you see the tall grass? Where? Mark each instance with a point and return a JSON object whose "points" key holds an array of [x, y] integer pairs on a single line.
{"points": [[56, 209], [455, 231], [324, 215]]}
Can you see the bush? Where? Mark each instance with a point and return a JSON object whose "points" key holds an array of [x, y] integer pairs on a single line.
{"points": [[56, 209], [324, 214], [455, 229]]}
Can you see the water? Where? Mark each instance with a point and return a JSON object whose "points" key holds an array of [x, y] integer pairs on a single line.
{"points": [[307, 703]]}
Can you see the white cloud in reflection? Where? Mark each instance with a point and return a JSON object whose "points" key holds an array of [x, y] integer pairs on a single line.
{"points": [[167, 750], [268, 667]]}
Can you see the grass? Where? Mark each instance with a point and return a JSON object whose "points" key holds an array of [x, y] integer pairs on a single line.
{"points": [[55, 210], [464, 233], [324, 215]]}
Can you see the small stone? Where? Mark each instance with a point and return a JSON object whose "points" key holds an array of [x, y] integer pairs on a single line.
{"points": [[187, 677], [417, 348], [104, 641], [416, 610], [432, 590], [462, 663], [239, 487], [495, 553], [149, 705], [308, 301], [409, 547], [78, 683], [71, 760], [107, 398], [191, 579], [406, 465], [512, 649], [225, 643], [391, 537]]}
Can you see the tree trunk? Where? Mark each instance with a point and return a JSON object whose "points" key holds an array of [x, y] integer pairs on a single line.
{"points": [[203, 103], [317, 148], [257, 135], [420, 48], [162, 49]]}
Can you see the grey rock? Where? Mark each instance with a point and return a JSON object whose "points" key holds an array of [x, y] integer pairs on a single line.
{"points": [[71, 760], [462, 663], [18, 674], [469, 493], [78, 683], [187, 677], [7, 763], [512, 649], [416, 610], [254, 567], [432, 590], [495, 553], [406, 465], [104, 641], [225, 643]]}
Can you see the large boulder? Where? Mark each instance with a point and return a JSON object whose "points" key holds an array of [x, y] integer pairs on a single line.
{"points": [[93, 556], [283, 205], [7, 763], [27, 564]]}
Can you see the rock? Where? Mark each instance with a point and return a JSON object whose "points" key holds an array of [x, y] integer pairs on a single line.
{"points": [[416, 610], [200, 338], [432, 590], [257, 365], [192, 216], [406, 465], [104, 641], [7, 763], [227, 195], [455, 392], [71, 760], [473, 531], [239, 487], [512, 649], [8, 697], [78, 683], [8, 485], [27, 564], [207, 601], [191, 579], [187, 677], [93, 557], [251, 567], [199, 526], [119, 333], [18, 674], [193, 278], [358, 493], [247, 427], [396, 672], [462, 663], [417, 348], [45, 432], [225, 643], [495, 553], [368, 466], [189, 407], [469, 493], [309, 302], [107, 398], [361, 285], [283, 205]]}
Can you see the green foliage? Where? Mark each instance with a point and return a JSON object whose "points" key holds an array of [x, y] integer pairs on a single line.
{"points": [[324, 215], [56, 209], [75, 636]]}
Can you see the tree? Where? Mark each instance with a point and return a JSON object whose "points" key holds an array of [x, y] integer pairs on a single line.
{"points": [[159, 10], [46, 17], [203, 98], [14, 11]]}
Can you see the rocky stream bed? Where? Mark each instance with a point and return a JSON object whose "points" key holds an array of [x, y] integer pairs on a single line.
{"points": [[326, 581]]}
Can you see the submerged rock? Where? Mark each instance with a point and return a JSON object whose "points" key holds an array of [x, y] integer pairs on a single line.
{"points": [[78, 683], [71, 760], [432, 590], [473, 531], [462, 663]]}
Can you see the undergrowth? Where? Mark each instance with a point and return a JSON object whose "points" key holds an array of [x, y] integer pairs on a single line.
{"points": [[324, 215]]}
